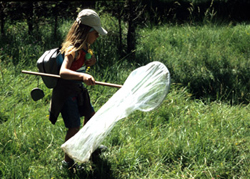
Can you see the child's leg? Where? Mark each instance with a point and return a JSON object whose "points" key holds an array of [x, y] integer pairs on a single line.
{"points": [[71, 118], [70, 133], [86, 119]]}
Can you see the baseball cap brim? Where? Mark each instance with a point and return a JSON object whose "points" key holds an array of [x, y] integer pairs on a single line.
{"points": [[100, 30]]}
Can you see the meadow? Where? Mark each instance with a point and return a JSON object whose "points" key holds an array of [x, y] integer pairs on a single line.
{"points": [[201, 130]]}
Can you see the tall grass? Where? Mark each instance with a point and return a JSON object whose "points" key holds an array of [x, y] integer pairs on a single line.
{"points": [[211, 60], [183, 138]]}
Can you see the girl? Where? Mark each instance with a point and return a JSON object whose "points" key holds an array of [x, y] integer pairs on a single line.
{"points": [[69, 96]]}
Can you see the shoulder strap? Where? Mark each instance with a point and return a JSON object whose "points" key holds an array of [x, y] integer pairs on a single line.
{"points": [[76, 54]]}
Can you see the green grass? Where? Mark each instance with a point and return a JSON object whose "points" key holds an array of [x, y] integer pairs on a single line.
{"points": [[212, 60], [201, 130]]}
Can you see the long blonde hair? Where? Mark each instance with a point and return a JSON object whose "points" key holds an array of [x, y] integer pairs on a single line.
{"points": [[77, 36]]}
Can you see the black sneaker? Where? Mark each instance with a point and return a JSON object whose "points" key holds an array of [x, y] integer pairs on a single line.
{"points": [[100, 149], [71, 166]]}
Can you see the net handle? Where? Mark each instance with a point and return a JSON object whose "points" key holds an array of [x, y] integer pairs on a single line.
{"points": [[58, 76]]}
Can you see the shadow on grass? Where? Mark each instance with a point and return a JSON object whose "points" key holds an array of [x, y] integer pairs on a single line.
{"points": [[98, 169], [3, 118], [101, 168]]}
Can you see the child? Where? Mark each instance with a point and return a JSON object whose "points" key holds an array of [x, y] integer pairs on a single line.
{"points": [[69, 96]]}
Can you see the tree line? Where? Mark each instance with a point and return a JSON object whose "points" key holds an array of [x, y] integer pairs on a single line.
{"points": [[135, 13]]}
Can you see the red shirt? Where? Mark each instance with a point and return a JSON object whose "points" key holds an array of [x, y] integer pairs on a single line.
{"points": [[78, 63]]}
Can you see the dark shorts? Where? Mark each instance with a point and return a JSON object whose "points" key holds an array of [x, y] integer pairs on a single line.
{"points": [[70, 113]]}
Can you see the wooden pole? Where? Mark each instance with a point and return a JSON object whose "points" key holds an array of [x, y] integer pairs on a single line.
{"points": [[58, 76]]}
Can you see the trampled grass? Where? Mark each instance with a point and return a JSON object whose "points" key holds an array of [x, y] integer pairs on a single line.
{"points": [[185, 137]]}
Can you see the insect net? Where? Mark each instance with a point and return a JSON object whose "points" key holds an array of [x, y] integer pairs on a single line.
{"points": [[144, 90]]}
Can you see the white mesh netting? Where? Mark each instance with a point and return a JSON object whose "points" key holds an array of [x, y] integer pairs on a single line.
{"points": [[144, 90]]}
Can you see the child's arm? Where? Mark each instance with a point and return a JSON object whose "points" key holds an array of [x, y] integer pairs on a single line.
{"points": [[68, 74]]}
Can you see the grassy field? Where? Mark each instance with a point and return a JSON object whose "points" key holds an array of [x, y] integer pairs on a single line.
{"points": [[201, 130]]}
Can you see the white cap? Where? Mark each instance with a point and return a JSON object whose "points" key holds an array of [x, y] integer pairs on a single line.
{"points": [[91, 18]]}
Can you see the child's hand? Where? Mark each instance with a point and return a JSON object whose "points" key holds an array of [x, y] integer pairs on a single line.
{"points": [[91, 61], [88, 79]]}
